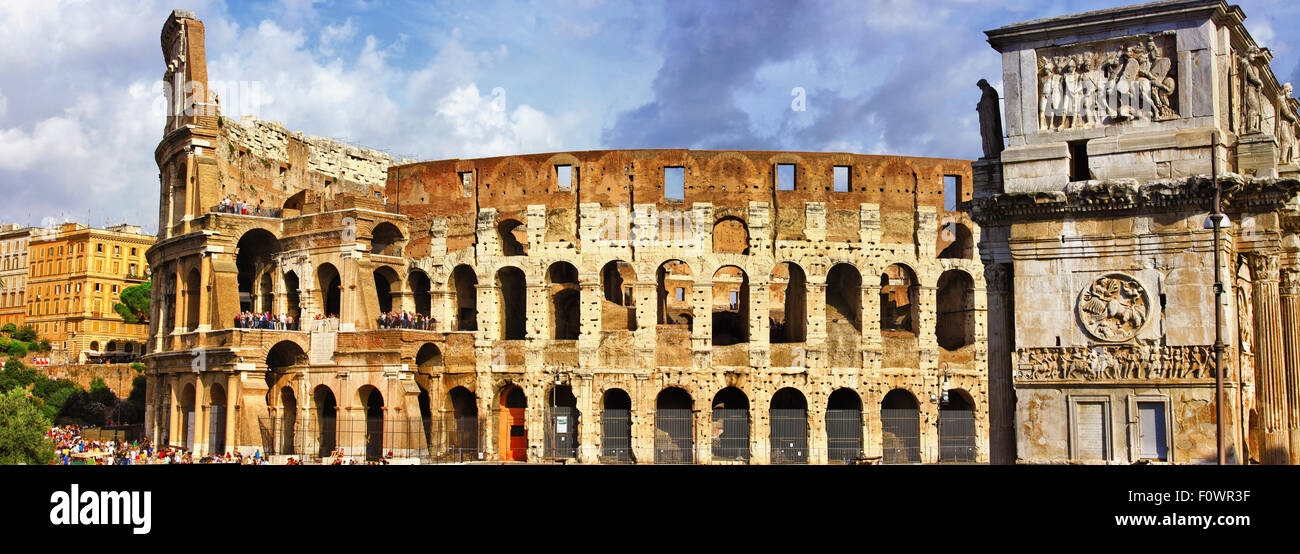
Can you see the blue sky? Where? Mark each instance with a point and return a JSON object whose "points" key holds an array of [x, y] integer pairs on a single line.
{"points": [[80, 116]]}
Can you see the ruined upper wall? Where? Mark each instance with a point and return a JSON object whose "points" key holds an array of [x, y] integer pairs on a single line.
{"points": [[262, 161], [455, 190]]}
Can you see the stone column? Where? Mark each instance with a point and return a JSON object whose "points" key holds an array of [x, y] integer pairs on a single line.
{"points": [[1269, 359], [1002, 404], [1290, 294]]}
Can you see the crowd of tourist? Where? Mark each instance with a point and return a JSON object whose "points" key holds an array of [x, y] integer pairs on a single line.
{"points": [[405, 320], [70, 447], [252, 320], [234, 206]]}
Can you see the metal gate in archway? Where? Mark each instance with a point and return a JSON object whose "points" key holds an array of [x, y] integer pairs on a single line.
{"points": [[731, 434], [789, 436], [843, 435], [674, 429], [616, 436], [901, 436], [561, 439], [956, 435]]}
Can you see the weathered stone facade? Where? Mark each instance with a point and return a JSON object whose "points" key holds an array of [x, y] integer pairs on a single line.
{"points": [[610, 306], [1120, 125]]}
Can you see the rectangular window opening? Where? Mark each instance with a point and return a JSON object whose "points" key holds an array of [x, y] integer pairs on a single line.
{"points": [[675, 183], [784, 176], [951, 192], [1079, 161], [564, 176], [735, 300], [841, 174], [681, 294]]}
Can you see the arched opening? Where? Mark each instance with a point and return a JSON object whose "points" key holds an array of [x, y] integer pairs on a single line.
{"points": [[429, 358], [286, 357], [730, 236], [512, 433], [618, 309], [900, 428], [514, 237], [955, 241], [562, 286], [844, 426], [730, 306], [372, 401], [843, 300], [112, 346], [287, 443], [674, 427], [512, 303], [463, 426], [420, 286], [187, 418], [292, 309], [254, 255], [94, 345], [898, 299], [730, 435], [293, 205], [192, 299], [788, 425], [386, 240], [562, 418], [957, 428], [616, 427], [325, 408], [675, 284], [954, 326], [788, 304], [388, 287], [217, 420], [463, 282], [330, 289]]}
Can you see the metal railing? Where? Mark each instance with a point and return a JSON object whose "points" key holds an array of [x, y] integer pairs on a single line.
{"points": [[900, 436], [236, 209], [616, 437], [731, 434], [674, 432], [789, 436], [956, 436], [843, 435], [429, 439]]}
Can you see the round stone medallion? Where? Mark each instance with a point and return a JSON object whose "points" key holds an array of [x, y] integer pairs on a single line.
{"points": [[1114, 307]]}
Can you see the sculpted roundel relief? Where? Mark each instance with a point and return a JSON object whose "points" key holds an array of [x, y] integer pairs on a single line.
{"points": [[1114, 307]]}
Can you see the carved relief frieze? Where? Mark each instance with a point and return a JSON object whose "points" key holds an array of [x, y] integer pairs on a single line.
{"points": [[1145, 361], [1106, 83], [1113, 308]]}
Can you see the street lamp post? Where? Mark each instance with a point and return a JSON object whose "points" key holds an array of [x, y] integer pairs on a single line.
{"points": [[1216, 220]]}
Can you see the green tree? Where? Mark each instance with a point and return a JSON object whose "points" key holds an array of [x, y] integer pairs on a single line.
{"points": [[9, 329], [22, 430], [25, 333], [134, 307], [16, 376]]}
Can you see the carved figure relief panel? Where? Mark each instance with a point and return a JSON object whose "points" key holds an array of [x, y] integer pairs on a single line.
{"points": [[1113, 308], [1106, 83], [1146, 361]]}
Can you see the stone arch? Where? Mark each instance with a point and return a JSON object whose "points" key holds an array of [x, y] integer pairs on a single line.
{"points": [[788, 303], [254, 257], [955, 310], [788, 427], [293, 301], [512, 303], [730, 306], [730, 433], [329, 290], [899, 299], [674, 427], [371, 400], [462, 285], [956, 241], [293, 205], [900, 427], [957, 427], [512, 427], [386, 240], [388, 289], [463, 427], [217, 419], [843, 425], [671, 276], [730, 236], [419, 284], [513, 235], [616, 426], [193, 298], [429, 358], [563, 420], [618, 307], [564, 301], [325, 408]]}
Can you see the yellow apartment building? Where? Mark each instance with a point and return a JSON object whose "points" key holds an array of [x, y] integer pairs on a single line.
{"points": [[75, 275]]}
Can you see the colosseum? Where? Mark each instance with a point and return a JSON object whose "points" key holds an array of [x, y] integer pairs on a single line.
{"points": [[615, 306]]}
